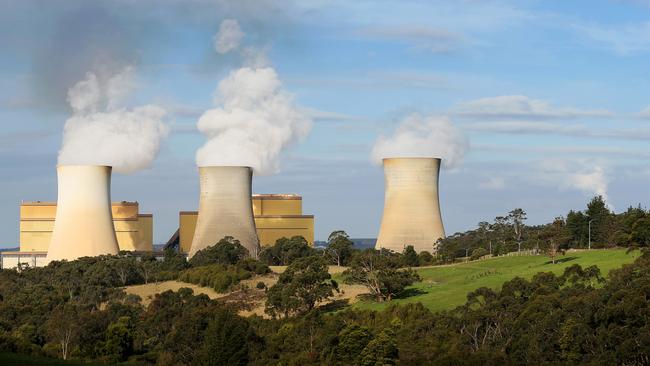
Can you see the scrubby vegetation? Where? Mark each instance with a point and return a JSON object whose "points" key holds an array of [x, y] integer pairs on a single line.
{"points": [[576, 317], [565, 314]]}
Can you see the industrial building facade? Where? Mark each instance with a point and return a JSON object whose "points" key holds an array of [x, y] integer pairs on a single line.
{"points": [[134, 230], [276, 216]]}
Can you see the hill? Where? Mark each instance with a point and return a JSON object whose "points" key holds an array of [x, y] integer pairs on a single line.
{"points": [[445, 287]]}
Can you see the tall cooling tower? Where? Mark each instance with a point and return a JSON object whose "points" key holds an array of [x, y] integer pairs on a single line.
{"points": [[411, 205], [84, 222], [225, 208]]}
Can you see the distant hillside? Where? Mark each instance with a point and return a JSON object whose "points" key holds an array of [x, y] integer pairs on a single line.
{"points": [[445, 287]]}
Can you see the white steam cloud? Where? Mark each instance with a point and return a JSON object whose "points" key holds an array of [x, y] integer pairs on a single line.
{"points": [[587, 176], [102, 132], [423, 136], [254, 121], [228, 37]]}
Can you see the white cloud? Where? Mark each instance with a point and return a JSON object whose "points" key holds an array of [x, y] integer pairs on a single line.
{"points": [[493, 183], [228, 37], [436, 40], [645, 113], [623, 39], [565, 129], [588, 176], [521, 107], [423, 136]]}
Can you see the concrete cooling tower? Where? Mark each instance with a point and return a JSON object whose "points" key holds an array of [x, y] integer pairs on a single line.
{"points": [[225, 208], [84, 223], [411, 205]]}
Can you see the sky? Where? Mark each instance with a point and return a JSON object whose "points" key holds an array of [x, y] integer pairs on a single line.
{"points": [[550, 97]]}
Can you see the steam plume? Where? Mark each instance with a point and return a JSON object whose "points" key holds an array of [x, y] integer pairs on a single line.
{"points": [[228, 37], [255, 118], [101, 132], [423, 136]]}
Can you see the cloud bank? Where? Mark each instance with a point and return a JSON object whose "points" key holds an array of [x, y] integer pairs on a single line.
{"points": [[255, 118], [423, 136], [521, 106], [103, 132]]}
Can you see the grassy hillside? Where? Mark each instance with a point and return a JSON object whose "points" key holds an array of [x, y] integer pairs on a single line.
{"points": [[446, 287]]}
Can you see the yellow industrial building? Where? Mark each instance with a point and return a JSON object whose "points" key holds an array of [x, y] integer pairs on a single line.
{"points": [[134, 230], [276, 216]]}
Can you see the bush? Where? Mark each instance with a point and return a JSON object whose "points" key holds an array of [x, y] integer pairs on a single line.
{"points": [[410, 257], [425, 258], [227, 251], [260, 285], [285, 251], [220, 277], [253, 265], [478, 253]]}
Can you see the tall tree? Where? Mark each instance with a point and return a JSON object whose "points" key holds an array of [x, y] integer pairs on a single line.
{"points": [[339, 247], [304, 283], [599, 215], [556, 236], [517, 218]]}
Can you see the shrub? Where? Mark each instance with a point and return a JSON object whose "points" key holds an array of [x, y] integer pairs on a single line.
{"points": [[227, 251], [220, 277], [260, 285], [253, 265], [478, 253], [425, 258], [285, 251]]}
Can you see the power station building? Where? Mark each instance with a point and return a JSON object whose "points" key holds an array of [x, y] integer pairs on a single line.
{"points": [[275, 215], [134, 231]]}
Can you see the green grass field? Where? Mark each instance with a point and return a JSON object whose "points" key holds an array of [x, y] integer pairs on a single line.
{"points": [[445, 287]]}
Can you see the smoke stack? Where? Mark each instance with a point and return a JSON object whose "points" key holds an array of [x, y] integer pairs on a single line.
{"points": [[225, 208], [84, 222], [411, 205]]}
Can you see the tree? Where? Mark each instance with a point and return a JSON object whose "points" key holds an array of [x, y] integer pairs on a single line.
{"points": [[148, 266], [226, 341], [599, 215], [484, 232], [578, 225], [425, 258], [556, 236], [226, 251], [304, 283], [339, 247], [286, 251], [379, 272], [478, 253], [63, 328], [119, 340], [352, 341], [410, 257], [381, 351], [517, 218]]}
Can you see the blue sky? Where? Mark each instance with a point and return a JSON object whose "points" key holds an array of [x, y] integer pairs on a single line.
{"points": [[552, 96]]}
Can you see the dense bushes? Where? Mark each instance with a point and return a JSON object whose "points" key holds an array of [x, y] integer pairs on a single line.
{"points": [[286, 250], [226, 251], [217, 276]]}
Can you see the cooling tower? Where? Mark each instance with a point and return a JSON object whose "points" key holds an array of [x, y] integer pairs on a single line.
{"points": [[84, 223], [225, 208], [411, 205]]}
